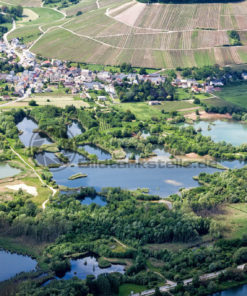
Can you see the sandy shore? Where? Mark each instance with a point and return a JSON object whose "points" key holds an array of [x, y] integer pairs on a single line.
{"points": [[205, 115], [29, 189]]}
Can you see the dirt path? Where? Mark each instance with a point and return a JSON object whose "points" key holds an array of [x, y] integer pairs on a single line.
{"points": [[35, 172], [120, 243]]}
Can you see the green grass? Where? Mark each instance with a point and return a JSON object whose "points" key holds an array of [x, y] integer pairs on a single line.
{"points": [[26, 33], [236, 94], [144, 111], [46, 15], [182, 94], [233, 218], [125, 289], [204, 57]]}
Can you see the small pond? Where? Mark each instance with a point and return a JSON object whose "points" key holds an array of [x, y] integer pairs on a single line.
{"points": [[12, 264], [98, 200], [100, 153], [7, 171], [74, 129], [28, 137], [89, 266], [230, 131]]}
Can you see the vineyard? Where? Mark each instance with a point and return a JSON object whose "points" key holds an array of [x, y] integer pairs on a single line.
{"points": [[155, 35]]}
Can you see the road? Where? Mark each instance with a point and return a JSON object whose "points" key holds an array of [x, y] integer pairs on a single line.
{"points": [[35, 172], [168, 287]]}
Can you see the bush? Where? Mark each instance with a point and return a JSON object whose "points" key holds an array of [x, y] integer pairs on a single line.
{"points": [[240, 255]]}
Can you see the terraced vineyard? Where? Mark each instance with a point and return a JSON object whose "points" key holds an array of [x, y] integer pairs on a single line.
{"points": [[158, 35]]}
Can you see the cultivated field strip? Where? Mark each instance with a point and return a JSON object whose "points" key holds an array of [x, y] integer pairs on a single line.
{"points": [[157, 35]]}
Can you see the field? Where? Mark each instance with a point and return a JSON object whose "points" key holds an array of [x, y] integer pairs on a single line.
{"points": [[58, 100], [26, 3], [144, 111], [156, 36], [236, 94], [126, 289], [233, 219]]}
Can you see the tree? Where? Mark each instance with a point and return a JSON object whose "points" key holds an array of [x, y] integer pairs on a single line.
{"points": [[33, 103], [240, 255], [157, 292]]}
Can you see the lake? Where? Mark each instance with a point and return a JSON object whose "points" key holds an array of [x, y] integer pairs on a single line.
{"points": [[161, 179], [89, 266], [48, 158], [74, 129], [28, 137], [232, 132], [7, 171], [12, 264], [238, 291], [100, 153]]}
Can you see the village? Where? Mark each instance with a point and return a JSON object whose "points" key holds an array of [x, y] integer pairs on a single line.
{"points": [[45, 76]]}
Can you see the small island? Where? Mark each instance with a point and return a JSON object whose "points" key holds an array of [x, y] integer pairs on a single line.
{"points": [[77, 176]]}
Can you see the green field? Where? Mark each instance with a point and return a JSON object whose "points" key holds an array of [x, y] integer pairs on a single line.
{"points": [[143, 111], [236, 94], [234, 220], [126, 289]]}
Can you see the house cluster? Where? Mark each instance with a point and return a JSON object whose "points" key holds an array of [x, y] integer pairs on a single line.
{"points": [[198, 87], [44, 76]]}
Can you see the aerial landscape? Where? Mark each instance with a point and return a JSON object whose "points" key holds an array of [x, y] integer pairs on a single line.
{"points": [[123, 148]]}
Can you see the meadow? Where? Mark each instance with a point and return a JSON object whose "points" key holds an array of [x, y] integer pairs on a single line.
{"points": [[143, 111], [236, 94]]}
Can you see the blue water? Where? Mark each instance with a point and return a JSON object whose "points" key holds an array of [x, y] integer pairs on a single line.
{"points": [[81, 270], [7, 171], [232, 132], [156, 177], [12, 264], [98, 200], [28, 138], [233, 164], [239, 291], [100, 153], [47, 158], [73, 130]]}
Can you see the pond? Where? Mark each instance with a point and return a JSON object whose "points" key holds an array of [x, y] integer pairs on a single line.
{"points": [[162, 179], [232, 132], [159, 151], [28, 137], [98, 200], [7, 171], [74, 129], [89, 266], [233, 164], [48, 158], [12, 264], [100, 153], [238, 291]]}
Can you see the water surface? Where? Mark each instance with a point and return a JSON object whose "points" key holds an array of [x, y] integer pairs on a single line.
{"points": [[238, 291], [73, 130], [12, 264], [28, 137], [100, 153], [161, 179], [98, 200], [7, 171], [232, 132], [89, 266]]}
